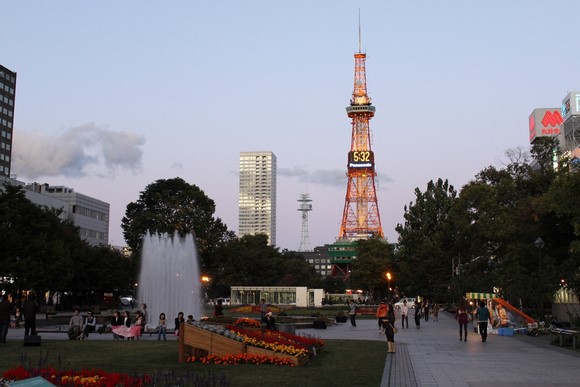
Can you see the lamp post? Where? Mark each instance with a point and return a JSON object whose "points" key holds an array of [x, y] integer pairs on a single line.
{"points": [[389, 283], [205, 280], [539, 245]]}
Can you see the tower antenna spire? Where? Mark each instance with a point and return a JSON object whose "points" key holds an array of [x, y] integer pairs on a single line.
{"points": [[359, 35]]}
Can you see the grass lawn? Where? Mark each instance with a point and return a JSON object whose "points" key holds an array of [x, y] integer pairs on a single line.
{"points": [[343, 362]]}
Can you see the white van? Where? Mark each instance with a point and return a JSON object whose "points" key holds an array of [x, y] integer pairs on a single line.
{"points": [[410, 303]]}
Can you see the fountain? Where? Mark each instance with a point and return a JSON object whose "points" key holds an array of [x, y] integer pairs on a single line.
{"points": [[169, 281]]}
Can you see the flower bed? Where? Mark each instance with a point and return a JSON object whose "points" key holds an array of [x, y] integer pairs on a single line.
{"points": [[207, 343], [243, 358], [96, 378], [255, 309]]}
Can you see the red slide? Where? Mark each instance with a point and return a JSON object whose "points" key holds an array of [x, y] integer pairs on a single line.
{"points": [[513, 309]]}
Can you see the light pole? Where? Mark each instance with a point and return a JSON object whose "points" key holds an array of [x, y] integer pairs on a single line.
{"points": [[389, 283], [539, 245]]}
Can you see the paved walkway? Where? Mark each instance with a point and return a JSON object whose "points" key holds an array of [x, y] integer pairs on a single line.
{"points": [[434, 356]]}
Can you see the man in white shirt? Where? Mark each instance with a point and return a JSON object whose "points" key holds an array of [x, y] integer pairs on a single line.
{"points": [[405, 314]]}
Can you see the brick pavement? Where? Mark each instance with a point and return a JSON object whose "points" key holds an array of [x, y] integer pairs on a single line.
{"points": [[434, 356]]}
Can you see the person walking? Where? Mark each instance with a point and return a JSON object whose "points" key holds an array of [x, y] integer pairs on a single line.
{"points": [[162, 327], [381, 315], [352, 313], [462, 318], [29, 310], [263, 310], [417, 314], [390, 328], [483, 316], [405, 314], [426, 308], [436, 312]]}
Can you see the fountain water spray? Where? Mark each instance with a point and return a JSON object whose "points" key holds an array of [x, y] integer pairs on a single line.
{"points": [[169, 280]]}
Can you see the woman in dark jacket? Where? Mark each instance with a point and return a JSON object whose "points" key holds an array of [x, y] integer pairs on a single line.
{"points": [[389, 329], [417, 314]]}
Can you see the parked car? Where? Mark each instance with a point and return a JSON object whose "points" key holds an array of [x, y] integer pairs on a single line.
{"points": [[126, 301], [410, 303]]}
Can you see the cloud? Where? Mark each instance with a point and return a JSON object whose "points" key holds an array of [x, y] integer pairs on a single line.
{"points": [[78, 152], [333, 177]]}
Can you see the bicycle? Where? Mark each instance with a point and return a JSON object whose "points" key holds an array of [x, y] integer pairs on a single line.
{"points": [[535, 329]]}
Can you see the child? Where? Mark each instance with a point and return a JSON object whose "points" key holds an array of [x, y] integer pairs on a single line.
{"points": [[161, 327]]}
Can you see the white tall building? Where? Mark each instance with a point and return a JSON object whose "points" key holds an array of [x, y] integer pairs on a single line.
{"points": [[257, 195]]}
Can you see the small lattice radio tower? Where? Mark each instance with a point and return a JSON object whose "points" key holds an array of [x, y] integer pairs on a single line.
{"points": [[305, 207]]}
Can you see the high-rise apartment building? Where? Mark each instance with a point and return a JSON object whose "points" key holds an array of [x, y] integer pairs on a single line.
{"points": [[257, 195], [7, 97]]}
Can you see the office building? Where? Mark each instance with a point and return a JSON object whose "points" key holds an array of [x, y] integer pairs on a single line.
{"points": [[571, 116], [320, 260], [7, 99], [89, 214], [257, 195]]}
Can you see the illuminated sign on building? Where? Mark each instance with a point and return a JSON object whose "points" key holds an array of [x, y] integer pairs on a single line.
{"points": [[545, 122], [571, 105]]}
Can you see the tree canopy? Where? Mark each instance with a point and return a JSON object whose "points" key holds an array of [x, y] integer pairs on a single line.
{"points": [[483, 238], [177, 208], [42, 252]]}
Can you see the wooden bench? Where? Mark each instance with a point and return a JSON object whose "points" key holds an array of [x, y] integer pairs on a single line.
{"points": [[563, 336]]}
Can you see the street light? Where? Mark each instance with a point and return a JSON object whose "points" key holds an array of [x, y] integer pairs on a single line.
{"points": [[539, 245], [389, 282]]}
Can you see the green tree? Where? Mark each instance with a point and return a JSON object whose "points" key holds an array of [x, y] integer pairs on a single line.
{"points": [[297, 272], [248, 260], [425, 241], [34, 252], [177, 208], [562, 199], [373, 260]]}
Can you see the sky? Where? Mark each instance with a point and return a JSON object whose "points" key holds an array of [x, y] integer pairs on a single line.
{"points": [[114, 95]]}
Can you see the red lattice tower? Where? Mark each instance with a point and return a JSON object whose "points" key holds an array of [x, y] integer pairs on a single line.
{"points": [[360, 218]]}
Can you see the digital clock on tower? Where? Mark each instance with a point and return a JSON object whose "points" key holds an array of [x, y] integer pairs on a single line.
{"points": [[361, 159]]}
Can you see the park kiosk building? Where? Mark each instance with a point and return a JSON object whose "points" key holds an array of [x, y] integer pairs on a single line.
{"points": [[279, 295]]}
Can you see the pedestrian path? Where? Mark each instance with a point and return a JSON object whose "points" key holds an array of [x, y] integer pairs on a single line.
{"points": [[434, 356]]}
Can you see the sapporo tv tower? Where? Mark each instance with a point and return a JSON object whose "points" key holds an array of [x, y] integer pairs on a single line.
{"points": [[360, 218]]}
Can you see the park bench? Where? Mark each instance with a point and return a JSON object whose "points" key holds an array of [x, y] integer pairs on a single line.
{"points": [[564, 336]]}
